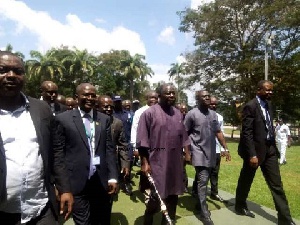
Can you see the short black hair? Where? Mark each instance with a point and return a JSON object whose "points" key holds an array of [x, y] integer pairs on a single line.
{"points": [[12, 54], [160, 88], [260, 84]]}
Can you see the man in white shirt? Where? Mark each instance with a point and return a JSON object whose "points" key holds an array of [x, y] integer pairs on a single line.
{"points": [[27, 168], [151, 98], [283, 139]]}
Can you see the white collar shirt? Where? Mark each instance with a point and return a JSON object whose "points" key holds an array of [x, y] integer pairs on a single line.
{"points": [[26, 191]]}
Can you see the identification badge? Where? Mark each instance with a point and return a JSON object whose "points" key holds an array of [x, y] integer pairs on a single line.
{"points": [[96, 160]]}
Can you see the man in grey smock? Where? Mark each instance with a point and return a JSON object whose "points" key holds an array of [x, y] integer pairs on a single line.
{"points": [[202, 126], [161, 136]]}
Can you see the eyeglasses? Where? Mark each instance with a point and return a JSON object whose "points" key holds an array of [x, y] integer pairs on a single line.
{"points": [[5, 70]]}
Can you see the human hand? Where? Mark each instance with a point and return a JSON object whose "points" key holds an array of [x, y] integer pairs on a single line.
{"points": [[254, 162], [112, 188], [145, 168], [227, 155], [66, 199], [125, 171]]}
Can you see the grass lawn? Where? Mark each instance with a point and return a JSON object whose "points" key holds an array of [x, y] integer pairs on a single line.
{"points": [[259, 192]]}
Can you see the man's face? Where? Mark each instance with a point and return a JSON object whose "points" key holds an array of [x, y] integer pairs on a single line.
{"points": [[127, 105], [11, 75], [70, 103], [86, 98], [183, 109], [213, 104], [168, 95], [106, 106], [266, 92], [152, 99], [118, 105], [50, 92], [204, 98]]}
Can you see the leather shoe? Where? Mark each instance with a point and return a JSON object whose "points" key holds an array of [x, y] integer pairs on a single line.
{"points": [[206, 220], [127, 189], [290, 223], [220, 199], [244, 212]]}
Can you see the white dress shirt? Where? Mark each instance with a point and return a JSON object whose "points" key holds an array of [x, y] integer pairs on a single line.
{"points": [[219, 147], [135, 123], [26, 191]]}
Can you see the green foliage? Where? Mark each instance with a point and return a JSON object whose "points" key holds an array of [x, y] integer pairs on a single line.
{"points": [[230, 48]]}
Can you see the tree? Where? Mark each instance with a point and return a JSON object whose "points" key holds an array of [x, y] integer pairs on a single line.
{"points": [[10, 48], [230, 47], [134, 69], [176, 70]]}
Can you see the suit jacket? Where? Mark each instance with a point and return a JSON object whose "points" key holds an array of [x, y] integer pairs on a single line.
{"points": [[253, 138], [59, 108], [119, 140], [70, 140], [42, 119]]}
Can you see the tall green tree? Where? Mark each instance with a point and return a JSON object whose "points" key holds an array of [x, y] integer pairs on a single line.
{"points": [[230, 40], [176, 71]]}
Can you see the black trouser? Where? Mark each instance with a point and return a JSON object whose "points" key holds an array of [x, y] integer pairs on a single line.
{"points": [[93, 205], [46, 217], [270, 170], [153, 206], [202, 181], [214, 176]]}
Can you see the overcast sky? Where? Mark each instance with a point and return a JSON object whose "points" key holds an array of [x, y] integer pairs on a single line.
{"points": [[146, 27]]}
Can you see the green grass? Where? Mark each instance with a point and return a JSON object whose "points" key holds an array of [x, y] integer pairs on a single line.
{"points": [[229, 131], [259, 192]]}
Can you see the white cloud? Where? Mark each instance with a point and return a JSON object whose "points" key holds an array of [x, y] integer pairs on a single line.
{"points": [[99, 20], [74, 32], [196, 3], [160, 73], [167, 36]]}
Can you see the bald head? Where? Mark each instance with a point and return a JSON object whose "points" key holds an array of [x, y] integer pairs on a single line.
{"points": [[105, 105], [86, 96], [49, 91], [151, 98]]}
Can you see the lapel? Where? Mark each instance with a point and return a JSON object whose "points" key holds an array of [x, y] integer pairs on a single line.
{"points": [[36, 118], [260, 110], [80, 127], [97, 120], [1, 146]]}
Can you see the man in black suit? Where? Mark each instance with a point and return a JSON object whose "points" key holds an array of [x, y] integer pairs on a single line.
{"points": [[27, 171], [49, 93], [84, 137], [257, 148]]}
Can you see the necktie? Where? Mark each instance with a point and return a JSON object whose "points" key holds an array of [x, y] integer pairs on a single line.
{"points": [[87, 124], [268, 122]]}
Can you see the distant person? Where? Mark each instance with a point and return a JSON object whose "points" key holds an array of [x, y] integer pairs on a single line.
{"points": [[49, 92], [160, 138], [106, 106], [183, 109], [126, 117], [283, 139], [126, 105], [214, 173], [29, 167], [135, 105], [257, 148], [83, 136], [71, 103], [203, 127]]}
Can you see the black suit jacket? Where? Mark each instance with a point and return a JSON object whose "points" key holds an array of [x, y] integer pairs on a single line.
{"points": [[253, 138], [59, 108], [43, 122], [119, 140], [71, 141]]}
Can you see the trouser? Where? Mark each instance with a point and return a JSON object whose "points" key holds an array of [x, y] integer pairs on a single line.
{"points": [[93, 205], [153, 206], [214, 176], [203, 174], [271, 173], [281, 145], [46, 217]]}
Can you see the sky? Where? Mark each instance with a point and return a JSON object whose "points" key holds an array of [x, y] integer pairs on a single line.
{"points": [[146, 27]]}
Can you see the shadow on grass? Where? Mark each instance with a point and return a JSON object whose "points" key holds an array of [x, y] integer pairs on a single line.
{"points": [[119, 219], [257, 209]]}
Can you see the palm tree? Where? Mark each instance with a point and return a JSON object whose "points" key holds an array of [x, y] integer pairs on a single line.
{"points": [[134, 68], [10, 48], [176, 70]]}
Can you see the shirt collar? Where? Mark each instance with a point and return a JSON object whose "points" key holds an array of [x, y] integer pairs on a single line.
{"points": [[260, 101], [82, 113]]}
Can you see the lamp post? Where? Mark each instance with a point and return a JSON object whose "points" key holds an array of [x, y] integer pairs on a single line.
{"points": [[268, 41]]}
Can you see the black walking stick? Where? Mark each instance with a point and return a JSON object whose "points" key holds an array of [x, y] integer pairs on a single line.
{"points": [[163, 207]]}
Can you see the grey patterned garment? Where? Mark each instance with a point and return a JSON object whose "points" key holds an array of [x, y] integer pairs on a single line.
{"points": [[164, 134], [202, 129]]}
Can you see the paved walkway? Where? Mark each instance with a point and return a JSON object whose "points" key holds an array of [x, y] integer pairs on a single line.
{"points": [[227, 216]]}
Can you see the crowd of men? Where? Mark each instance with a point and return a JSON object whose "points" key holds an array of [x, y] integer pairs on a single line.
{"points": [[63, 156]]}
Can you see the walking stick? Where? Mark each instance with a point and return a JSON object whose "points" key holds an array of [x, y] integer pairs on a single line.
{"points": [[163, 207]]}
